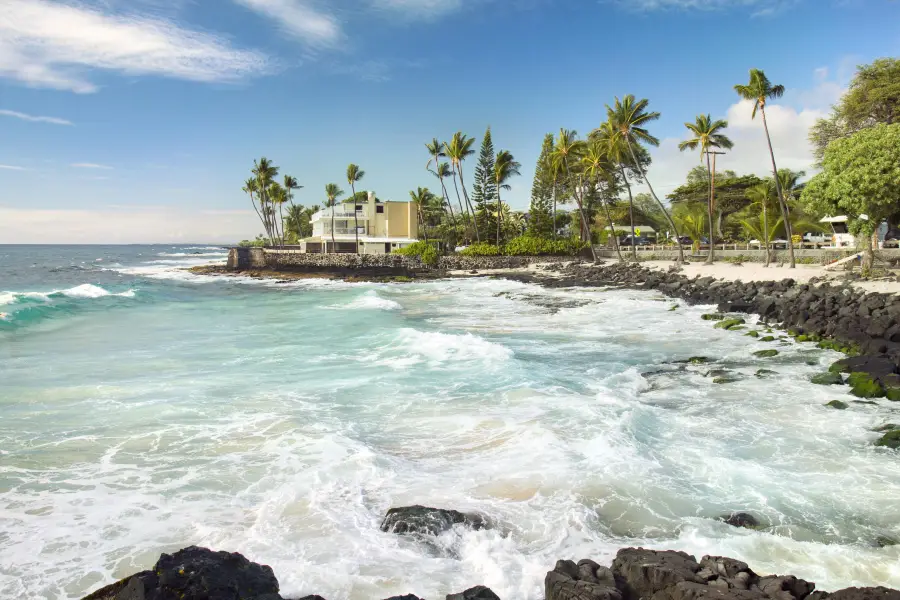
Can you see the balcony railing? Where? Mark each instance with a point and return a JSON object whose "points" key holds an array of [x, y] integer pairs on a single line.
{"points": [[344, 215], [326, 231]]}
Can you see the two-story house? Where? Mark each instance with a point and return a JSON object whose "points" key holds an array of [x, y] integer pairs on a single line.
{"points": [[383, 227]]}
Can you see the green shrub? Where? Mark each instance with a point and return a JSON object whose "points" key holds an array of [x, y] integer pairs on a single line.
{"points": [[526, 245], [481, 249], [425, 251]]}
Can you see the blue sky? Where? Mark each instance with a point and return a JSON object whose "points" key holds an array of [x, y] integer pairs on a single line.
{"points": [[138, 120]]}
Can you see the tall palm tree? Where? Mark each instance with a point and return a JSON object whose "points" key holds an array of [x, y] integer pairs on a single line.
{"points": [[608, 135], [505, 167], [758, 91], [332, 191], [629, 118], [251, 187], [569, 148], [423, 198], [596, 166], [277, 197], [354, 174], [760, 194], [707, 134], [458, 149], [290, 184], [265, 173], [440, 170]]}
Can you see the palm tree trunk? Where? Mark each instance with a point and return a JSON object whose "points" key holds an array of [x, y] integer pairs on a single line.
{"points": [[612, 232], [781, 203], [281, 218], [661, 206], [630, 212], [554, 208], [712, 194], [469, 204], [499, 208], [355, 218], [449, 206], [766, 232], [333, 243], [581, 210], [422, 219], [258, 214], [461, 211]]}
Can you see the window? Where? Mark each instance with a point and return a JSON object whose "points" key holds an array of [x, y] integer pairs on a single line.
{"points": [[358, 207], [379, 209]]}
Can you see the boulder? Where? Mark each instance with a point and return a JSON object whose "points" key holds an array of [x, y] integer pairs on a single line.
{"points": [[890, 440], [196, 573], [766, 353], [686, 590], [729, 323], [827, 379], [583, 581], [646, 572], [740, 519], [838, 405], [479, 592], [868, 593], [785, 587], [428, 521], [863, 385]]}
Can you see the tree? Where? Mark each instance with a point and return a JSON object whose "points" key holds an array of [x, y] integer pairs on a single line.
{"points": [[731, 192], [458, 149], [441, 170], [760, 195], [332, 192], [484, 192], [290, 184], [540, 212], [628, 120], [569, 148], [860, 178], [707, 135], [251, 188], [505, 168], [758, 91], [608, 135], [265, 173], [423, 198], [355, 174], [597, 167], [298, 221]]}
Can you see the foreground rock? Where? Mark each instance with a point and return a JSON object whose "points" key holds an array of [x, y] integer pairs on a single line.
{"points": [[428, 521]]}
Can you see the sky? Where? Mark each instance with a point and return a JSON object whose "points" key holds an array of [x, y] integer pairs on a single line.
{"points": [[137, 121]]}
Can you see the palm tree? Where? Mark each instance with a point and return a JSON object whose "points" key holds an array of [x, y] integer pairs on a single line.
{"points": [[290, 184], [441, 170], [354, 174], [608, 135], [596, 166], [332, 191], [567, 148], [758, 90], [760, 194], [762, 230], [707, 134], [265, 173], [505, 167], [277, 197], [628, 118], [458, 149], [250, 188], [423, 198]]}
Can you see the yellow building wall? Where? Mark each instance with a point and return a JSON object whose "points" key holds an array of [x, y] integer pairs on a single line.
{"points": [[401, 220]]}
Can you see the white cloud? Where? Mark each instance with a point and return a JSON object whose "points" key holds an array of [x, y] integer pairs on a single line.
{"points": [[52, 44], [760, 7], [89, 166], [133, 224], [12, 168], [299, 19], [419, 8], [25, 117]]}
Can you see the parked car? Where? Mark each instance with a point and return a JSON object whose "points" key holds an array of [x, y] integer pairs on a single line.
{"points": [[637, 241], [816, 238]]}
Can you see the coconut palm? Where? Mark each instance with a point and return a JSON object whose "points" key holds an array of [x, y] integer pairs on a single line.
{"points": [[629, 118], [608, 135], [423, 199], [332, 192], [265, 173], [761, 229], [758, 91], [706, 135], [505, 167], [760, 195], [596, 166], [290, 184], [277, 197], [568, 148], [355, 174], [440, 170], [251, 188], [458, 149]]}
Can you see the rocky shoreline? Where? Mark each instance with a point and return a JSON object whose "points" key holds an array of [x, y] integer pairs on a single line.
{"points": [[196, 573]]}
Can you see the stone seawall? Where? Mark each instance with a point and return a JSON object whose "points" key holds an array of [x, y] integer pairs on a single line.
{"points": [[394, 264]]}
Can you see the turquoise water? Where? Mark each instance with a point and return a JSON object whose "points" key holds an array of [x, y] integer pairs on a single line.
{"points": [[143, 409]]}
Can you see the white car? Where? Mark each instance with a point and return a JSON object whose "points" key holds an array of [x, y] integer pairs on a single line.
{"points": [[774, 244]]}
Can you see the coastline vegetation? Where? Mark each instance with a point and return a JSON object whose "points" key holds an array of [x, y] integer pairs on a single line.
{"points": [[587, 191]]}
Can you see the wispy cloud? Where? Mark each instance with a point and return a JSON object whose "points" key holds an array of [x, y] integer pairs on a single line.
{"points": [[12, 168], [760, 8], [52, 44], [299, 19], [25, 117], [420, 9], [89, 166]]}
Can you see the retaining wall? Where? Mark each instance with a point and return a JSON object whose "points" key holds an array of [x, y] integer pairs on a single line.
{"points": [[805, 255]]}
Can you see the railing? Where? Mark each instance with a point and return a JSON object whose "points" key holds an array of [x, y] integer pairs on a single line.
{"points": [[344, 215], [326, 231]]}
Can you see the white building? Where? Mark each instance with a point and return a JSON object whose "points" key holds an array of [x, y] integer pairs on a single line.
{"points": [[383, 227]]}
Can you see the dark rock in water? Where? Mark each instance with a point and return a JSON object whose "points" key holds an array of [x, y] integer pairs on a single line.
{"points": [[479, 592], [827, 379], [716, 590], [763, 373], [314, 597], [733, 307], [428, 521], [863, 385], [726, 379], [740, 519], [583, 581], [785, 588], [694, 360], [883, 541], [886, 427], [869, 593], [196, 574], [406, 597], [890, 440], [646, 572], [766, 353], [838, 405], [712, 317], [768, 338], [729, 324]]}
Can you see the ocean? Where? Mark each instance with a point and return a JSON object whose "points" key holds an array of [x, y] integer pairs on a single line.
{"points": [[144, 409]]}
